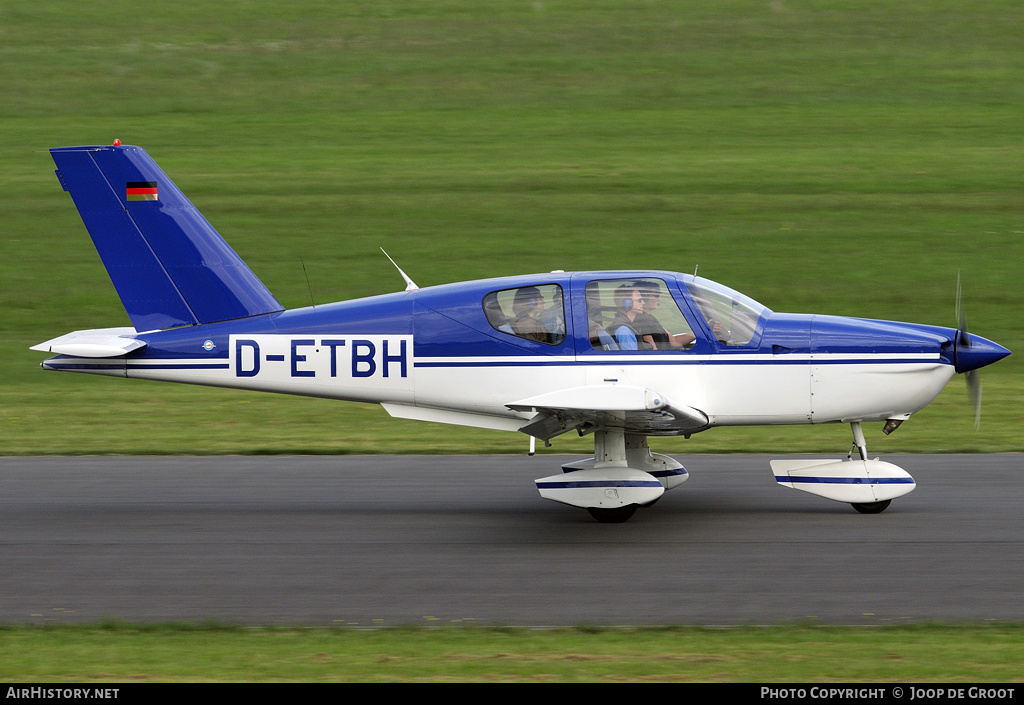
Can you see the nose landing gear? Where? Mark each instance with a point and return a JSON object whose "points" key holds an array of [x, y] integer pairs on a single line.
{"points": [[867, 485]]}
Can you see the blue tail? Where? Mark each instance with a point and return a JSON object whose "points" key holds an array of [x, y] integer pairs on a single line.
{"points": [[168, 264]]}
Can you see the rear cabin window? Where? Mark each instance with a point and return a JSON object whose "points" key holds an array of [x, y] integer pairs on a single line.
{"points": [[532, 312], [635, 314]]}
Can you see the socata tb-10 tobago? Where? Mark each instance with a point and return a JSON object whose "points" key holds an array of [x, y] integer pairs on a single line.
{"points": [[623, 355]]}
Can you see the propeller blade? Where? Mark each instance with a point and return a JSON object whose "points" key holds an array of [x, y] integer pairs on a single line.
{"points": [[964, 341], [974, 394], [970, 355], [961, 317], [970, 358]]}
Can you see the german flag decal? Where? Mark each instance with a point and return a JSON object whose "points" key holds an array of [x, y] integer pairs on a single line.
{"points": [[140, 191]]}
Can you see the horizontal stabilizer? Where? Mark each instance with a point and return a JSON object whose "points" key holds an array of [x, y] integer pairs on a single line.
{"points": [[167, 263], [854, 481], [103, 342]]}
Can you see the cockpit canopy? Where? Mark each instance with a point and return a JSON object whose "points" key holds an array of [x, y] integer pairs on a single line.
{"points": [[624, 311]]}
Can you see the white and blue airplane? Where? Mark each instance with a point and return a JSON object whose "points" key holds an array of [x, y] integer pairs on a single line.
{"points": [[622, 355]]}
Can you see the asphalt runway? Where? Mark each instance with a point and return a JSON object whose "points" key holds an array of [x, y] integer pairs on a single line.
{"points": [[383, 540]]}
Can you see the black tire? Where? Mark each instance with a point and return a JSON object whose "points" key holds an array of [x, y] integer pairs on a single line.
{"points": [[871, 507], [612, 516]]}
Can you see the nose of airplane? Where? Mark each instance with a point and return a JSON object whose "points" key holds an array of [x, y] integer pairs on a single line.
{"points": [[974, 352]]}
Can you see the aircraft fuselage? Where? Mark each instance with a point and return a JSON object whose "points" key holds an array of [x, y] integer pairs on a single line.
{"points": [[434, 348]]}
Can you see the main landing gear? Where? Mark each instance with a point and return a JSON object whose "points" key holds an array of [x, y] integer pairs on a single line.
{"points": [[613, 516], [622, 476]]}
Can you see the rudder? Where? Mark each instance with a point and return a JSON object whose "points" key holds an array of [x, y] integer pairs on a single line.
{"points": [[167, 263]]}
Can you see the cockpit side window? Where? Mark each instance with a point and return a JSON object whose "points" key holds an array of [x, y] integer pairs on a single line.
{"points": [[530, 312], [635, 314]]}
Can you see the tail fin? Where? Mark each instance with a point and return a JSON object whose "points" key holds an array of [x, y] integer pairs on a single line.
{"points": [[168, 264]]}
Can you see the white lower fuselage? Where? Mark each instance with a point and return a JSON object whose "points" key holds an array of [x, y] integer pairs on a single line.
{"points": [[732, 390]]}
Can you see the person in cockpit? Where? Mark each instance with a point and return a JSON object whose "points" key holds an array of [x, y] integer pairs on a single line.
{"points": [[649, 328], [629, 303], [553, 317], [526, 309]]}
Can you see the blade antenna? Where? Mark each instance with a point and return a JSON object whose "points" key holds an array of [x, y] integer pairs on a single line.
{"points": [[306, 275], [410, 285]]}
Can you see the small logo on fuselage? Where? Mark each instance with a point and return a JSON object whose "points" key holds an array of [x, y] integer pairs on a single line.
{"points": [[208, 345]]}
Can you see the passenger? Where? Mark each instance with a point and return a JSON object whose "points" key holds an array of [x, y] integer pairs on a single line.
{"points": [[599, 337], [553, 317], [527, 307]]}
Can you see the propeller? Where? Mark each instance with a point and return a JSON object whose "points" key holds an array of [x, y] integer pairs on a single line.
{"points": [[961, 351]]}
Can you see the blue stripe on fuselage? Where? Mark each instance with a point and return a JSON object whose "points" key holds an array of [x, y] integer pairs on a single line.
{"points": [[718, 360]]}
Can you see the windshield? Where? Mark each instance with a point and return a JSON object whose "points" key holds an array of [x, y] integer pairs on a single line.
{"points": [[730, 315]]}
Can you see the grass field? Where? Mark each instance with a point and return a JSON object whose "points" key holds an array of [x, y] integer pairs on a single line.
{"points": [[799, 654], [819, 157], [828, 157]]}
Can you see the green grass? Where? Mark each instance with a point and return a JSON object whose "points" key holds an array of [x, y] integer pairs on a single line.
{"points": [[797, 654], [819, 156], [840, 158]]}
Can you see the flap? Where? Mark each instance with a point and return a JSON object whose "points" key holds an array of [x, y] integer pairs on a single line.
{"points": [[606, 397], [450, 416], [636, 409]]}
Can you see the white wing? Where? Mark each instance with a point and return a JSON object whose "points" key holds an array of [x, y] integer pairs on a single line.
{"points": [[635, 409]]}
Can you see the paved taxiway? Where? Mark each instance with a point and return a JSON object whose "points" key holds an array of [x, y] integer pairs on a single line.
{"points": [[430, 540]]}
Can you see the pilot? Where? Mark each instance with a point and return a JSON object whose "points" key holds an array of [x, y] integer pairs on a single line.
{"points": [[649, 327], [526, 309], [629, 304]]}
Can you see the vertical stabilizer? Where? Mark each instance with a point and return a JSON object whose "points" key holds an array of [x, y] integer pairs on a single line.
{"points": [[168, 264]]}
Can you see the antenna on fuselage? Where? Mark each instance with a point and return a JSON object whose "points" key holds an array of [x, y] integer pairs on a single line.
{"points": [[410, 285], [310, 288], [695, 269]]}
